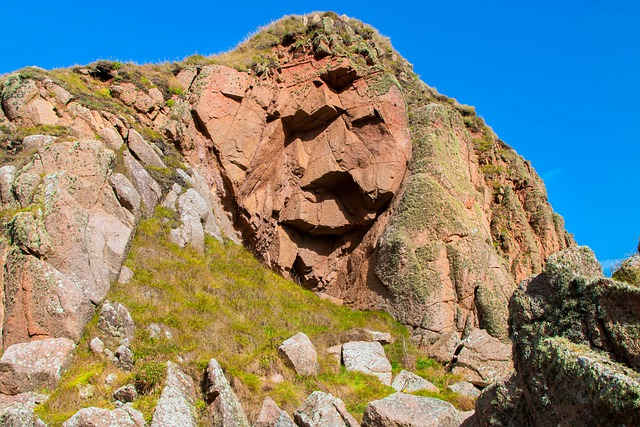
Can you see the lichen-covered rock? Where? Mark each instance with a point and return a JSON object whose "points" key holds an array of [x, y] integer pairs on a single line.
{"points": [[628, 271], [272, 416], [576, 354], [126, 394], [406, 410], [125, 192], [176, 406], [17, 411], [116, 322], [34, 365], [143, 151], [323, 410], [299, 352], [223, 404], [408, 382], [122, 416], [368, 358], [149, 190]]}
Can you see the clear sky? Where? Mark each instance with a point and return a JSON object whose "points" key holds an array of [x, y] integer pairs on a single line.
{"points": [[557, 80]]}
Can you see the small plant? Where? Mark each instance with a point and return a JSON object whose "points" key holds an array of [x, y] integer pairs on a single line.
{"points": [[104, 93], [148, 376], [170, 103], [176, 90]]}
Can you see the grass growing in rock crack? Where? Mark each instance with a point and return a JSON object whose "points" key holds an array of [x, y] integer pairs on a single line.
{"points": [[224, 304]]}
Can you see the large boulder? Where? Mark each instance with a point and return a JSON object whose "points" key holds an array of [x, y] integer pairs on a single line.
{"points": [[17, 411], [116, 322], [323, 410], [122, 416], [368, 358], [176, 406], [34, 365], [223, 404], [299, 352], [406, 410], [575, 342]]}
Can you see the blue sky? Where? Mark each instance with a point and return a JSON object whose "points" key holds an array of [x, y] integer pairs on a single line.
{"points": [[557, 80]]}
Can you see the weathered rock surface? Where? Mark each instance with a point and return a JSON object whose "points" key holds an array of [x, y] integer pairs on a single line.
{"points": [[368, 358], [17, 411], [123, 416], [628, 271], [116, 322], [34, 365], [143, 151], [272, 416], [465, 388], [323, 410], [126, 394], [409, 382], [406, 410], [223, 404], [176, 406], [575, 348], [299, 352], [483, 359]]}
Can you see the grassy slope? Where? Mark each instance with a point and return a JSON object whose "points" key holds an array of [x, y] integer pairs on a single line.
{"points": [[225, 304]]}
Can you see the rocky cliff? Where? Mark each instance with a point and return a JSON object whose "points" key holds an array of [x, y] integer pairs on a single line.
{"points": [[313, 143]]}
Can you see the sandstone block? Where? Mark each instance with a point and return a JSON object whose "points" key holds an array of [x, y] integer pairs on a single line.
{"points": [[299, 352], [368, 358]]}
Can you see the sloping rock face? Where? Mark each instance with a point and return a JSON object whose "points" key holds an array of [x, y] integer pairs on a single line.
{"points": [[329, 188], [576, 355]]}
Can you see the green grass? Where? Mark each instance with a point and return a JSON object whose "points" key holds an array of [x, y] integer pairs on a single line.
{"points": [[225, 304]]}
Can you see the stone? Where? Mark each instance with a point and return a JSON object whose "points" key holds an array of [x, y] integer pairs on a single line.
{"points": [[96, 345], [111, 378], [300, 354], [125, 275], [176, 406], [408, 382], [157, 331], [381, 337], [125, 191], [224, 406], [149, 190], [465, 388], [368, 358], [272, 416], [122, 416], [628, 271], [126, 394], [124, 358], [18, 410], [323, 410], [441, 347], [194, 213], [34, 142], [34, 365], [115, 321], [85, 391], [406, 410], [111, 138], [143, 151], [483, 359], [7, 175], [336, 352], [40, 301]]}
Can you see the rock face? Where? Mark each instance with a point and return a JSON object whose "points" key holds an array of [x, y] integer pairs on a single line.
{"points": [[323, 410], [368, 358], [406, 410], [575, 347], [34, 365], [299, 352], [176, 406]]}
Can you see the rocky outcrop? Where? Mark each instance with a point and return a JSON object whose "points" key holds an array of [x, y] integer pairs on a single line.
{"points": [[575, 347], [35, 365], [299, 352], [406, 410], [176, 406], [323, 410]]}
